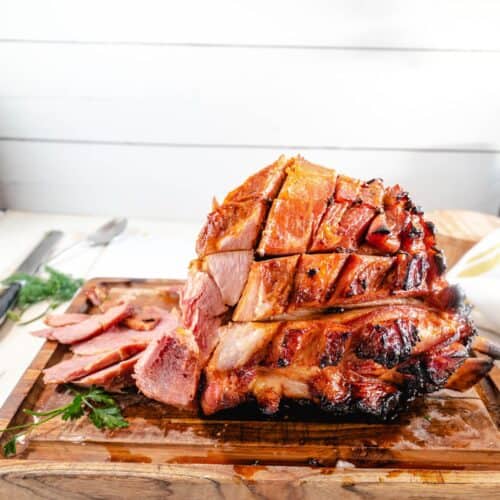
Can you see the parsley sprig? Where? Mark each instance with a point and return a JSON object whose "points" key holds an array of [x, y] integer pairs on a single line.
{"points": [[56, 287], [101, 409]]}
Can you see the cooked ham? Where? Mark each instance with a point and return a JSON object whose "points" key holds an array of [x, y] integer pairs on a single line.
{"points": [[45, 333], [92, 326], [298, 210], [202, 307], [239, 342], [236, 224], [201, 297], [118, 338], [336, 293], [267, 291], [344, 362], [144, 318], [96, 295], [80, 366], [114, 378], [230, 271], [331, 243], [168, 370], [57, 320]]}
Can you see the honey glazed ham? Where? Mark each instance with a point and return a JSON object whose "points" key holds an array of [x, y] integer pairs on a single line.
{"points": [[313, 286], [308, 286]]}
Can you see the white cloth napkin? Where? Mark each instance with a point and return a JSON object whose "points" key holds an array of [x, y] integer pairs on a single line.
{"points": [[139, 256], [478, 273]]}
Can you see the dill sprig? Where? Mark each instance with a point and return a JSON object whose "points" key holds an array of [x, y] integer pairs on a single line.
{"points": [[56, 288]]}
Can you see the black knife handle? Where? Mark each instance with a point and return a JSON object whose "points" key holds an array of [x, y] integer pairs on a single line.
{"points": [[8, 299]]}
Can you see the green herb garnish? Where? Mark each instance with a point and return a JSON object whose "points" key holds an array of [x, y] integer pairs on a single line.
{"points": [[100, 408], [428, 418], [56, 288]]}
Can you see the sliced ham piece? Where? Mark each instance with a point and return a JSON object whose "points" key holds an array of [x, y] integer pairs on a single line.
{"points": [[114, 378], [92, 326], [168, 370], [202, 307], [124, 338], [44, 333], [114, 339], [65, 319], [201, 295], [80, 366]]}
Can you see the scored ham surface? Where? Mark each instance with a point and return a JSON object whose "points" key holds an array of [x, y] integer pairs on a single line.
{"points": [[311, 285]]}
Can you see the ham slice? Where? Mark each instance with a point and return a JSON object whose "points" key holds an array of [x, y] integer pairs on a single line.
{"points": [[112, 340], [114, 378], [44, 333], [80, 366], [202, 307], [58, 320], [168, 370], [124, 338], [92, 326]]}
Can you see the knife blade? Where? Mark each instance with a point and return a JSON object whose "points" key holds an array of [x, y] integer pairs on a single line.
{"points": [[29, 265]]}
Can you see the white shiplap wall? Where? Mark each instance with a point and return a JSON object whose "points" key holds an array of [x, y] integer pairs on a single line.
{"points": [[149, 108]]}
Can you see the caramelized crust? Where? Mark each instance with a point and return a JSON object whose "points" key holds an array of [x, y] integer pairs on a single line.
{"points": [[297, 211], [315, 278], [232, 226], [267, 290], [362, 275], [265, 184], [368, 361], [288, 228]]}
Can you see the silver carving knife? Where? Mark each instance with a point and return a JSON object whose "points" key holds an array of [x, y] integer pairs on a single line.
{"points": [[30, 265]]}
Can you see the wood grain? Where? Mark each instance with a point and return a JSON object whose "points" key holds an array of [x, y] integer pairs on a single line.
{"points": [[27, 480], [180, 454]]}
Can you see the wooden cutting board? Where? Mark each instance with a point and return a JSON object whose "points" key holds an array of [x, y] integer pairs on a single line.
{"points": [[447, 445]]}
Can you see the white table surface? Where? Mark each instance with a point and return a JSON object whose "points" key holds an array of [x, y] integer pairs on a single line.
{"points": [[149, 248]]}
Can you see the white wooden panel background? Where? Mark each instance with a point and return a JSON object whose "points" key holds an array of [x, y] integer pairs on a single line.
{"points": [[149, 108]]}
